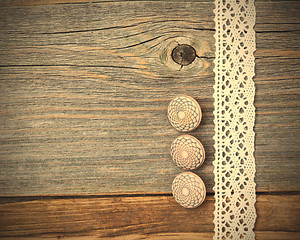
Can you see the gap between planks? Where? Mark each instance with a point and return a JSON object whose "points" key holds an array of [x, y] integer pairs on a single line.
{"points": [[15, 199]]}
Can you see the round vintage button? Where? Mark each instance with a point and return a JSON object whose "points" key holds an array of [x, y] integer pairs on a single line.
{"points": [[187, 152], [188, 190], [184, 113]]}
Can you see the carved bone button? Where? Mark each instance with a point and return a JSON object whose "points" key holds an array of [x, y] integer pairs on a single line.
{"points": [[188, 190], [187, 152], [184, 113]]}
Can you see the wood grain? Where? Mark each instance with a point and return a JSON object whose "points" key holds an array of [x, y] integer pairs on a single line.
{"points": [[123, 217], [50, 2], [259, 235], [85, 88]]}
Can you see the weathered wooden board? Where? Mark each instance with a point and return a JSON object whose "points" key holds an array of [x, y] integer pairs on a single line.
{"points": [[124, 216], [85, 88], [259, 235]]}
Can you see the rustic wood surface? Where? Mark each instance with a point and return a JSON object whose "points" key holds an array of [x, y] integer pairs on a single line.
{"points": [[84, 92], [126, 216], [268, 235], [85, 88]]}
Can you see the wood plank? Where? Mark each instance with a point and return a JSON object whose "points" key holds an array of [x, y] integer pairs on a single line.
{"points": [[47, 2], [274, 235], [12, 3], [85, 88], [118, 98], [122, 217], [259, 235]]}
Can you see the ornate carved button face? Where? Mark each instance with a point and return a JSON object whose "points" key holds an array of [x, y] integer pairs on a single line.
{"points": [[184, 113], [188, 190], [187, 152]]}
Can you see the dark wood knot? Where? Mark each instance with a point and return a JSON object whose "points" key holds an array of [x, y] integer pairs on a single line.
{"points": [[184, 54]]}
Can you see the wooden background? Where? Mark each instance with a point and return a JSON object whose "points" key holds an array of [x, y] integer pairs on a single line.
{"points": [[84, 135]]}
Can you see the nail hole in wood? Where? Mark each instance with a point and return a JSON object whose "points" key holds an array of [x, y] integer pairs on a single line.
{"points": [[184, 54]]}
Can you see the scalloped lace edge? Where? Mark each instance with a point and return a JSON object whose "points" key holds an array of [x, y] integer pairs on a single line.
{"points": [[234, 116]]}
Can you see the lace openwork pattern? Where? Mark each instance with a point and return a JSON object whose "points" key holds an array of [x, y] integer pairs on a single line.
{"points": [[234, 164]]}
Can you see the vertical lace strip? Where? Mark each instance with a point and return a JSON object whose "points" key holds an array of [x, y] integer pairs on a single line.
{"points": [[234, 164]]}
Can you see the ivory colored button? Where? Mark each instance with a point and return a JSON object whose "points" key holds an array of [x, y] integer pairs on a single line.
{"points": [[188, 190], [187, 152], [184, 113]]}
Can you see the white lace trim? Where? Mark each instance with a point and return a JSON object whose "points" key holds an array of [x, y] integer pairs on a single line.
{"points": [[234, 164]]}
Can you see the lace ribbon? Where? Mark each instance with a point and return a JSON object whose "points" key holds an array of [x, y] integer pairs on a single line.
{"points": [[234, 164]]}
